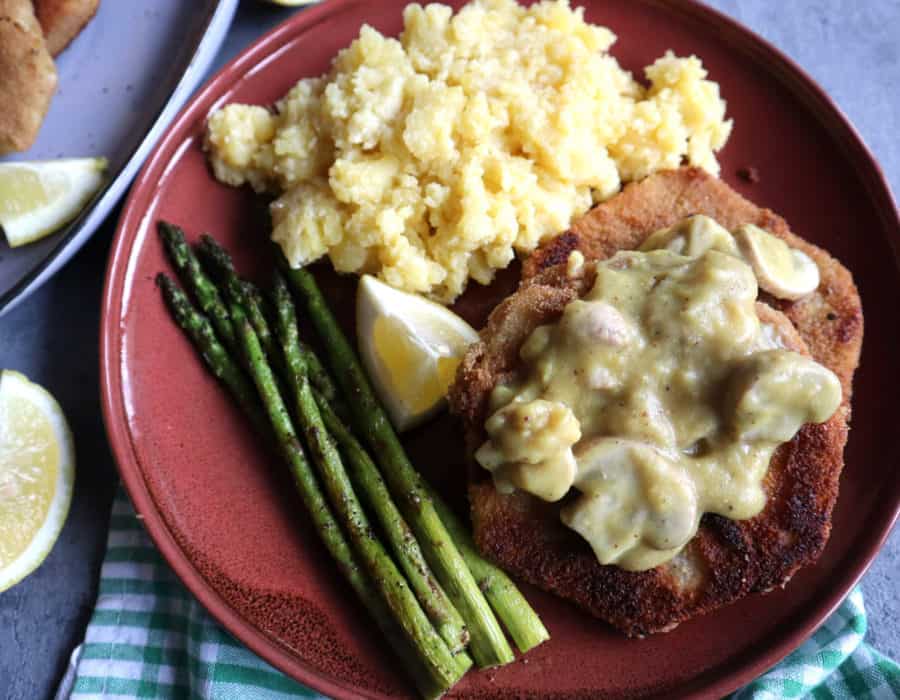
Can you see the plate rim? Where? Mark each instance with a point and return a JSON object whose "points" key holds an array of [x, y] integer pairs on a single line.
{"points": [[729, 676], [220, 14]]}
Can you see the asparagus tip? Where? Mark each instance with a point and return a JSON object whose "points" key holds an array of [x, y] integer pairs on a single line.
{"points": [[170, 289], [169, 230]]}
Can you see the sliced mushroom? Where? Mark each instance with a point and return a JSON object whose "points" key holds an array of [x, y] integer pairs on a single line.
{"points": [[596, 323], [634, 498], [692, 237], [776, 391], [603, 460], [782, 271]]}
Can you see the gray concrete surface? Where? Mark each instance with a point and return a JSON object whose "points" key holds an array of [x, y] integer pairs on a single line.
{"points": [[849, 46]]}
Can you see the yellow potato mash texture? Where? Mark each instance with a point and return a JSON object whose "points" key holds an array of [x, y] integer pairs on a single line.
{"points": [[438, 156]]}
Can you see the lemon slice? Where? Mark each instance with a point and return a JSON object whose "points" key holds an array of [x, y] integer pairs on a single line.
{"points": [[37, 470], [39, 197], [411, 348]]}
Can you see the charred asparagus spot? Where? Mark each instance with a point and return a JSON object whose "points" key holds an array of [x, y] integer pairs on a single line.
{"points": [[443, 670], [321, 379], [197, 283], [487, 641]]}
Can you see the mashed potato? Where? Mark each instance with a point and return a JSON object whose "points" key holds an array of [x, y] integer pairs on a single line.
{"points": [[435, 157]]}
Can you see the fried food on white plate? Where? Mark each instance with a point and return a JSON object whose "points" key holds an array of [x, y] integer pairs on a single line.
{"points": [[63, 20], [27, 76]]}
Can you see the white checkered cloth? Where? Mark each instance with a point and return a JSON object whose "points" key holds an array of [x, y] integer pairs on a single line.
{"points": [[149, 638]]}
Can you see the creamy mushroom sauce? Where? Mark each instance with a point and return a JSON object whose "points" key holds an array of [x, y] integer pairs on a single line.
{"points": [[658, 397]]}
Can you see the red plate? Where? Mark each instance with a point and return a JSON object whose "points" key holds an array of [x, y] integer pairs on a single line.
{"points": [[225, 516]]}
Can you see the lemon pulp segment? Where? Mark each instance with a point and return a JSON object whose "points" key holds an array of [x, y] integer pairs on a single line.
{"points": [[411, 347], [28, 475], [37, 467], [404, 357], [39, 197], [22, 189]]}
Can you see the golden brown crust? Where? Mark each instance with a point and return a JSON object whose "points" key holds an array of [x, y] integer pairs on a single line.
{"points": [[63, 20], [727, 559], [27, 76]]}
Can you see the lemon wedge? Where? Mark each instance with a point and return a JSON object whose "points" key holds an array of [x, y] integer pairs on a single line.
{"points": [[37, 470], [39, 197], [411, 348]]}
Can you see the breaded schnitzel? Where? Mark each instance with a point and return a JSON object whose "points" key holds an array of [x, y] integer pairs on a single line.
{"points": [[27, 76], [63, 20], [727, 559]]}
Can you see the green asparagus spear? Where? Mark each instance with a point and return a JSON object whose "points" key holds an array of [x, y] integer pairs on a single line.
{"points": [[216, 357], [321, 380], [337, 483], [238, 291], [442, 666], [488, 643], [250, 299], [197, 283], [519, 618], [221, 364], [368, 480]]}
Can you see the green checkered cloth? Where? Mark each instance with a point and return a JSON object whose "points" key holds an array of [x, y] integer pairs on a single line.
{"points": [[149, 638]]}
